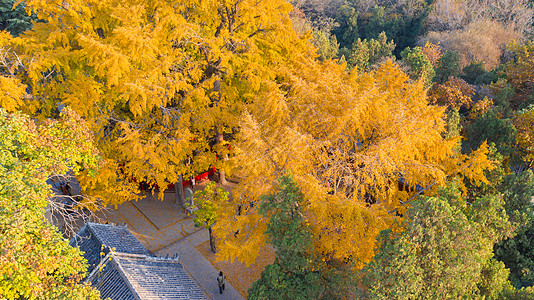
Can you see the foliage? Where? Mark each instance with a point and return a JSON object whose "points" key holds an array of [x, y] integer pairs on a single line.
{"points": [[455, 93], [403, 22], [515, 15], [36, 261], [347, 31], [433, 53], [445, 250], [208, 201], [480, 108], [419, 64], [321, 37], [453, 127], [13, 17], [524, 123], [503, 96], [471, 73], [360, 146], [326, 44], [517, 253], [298, 272], [448, 65], [161, 83], [519, 73], [492, 129], [480, 41], [13, 90], [365, 54]]}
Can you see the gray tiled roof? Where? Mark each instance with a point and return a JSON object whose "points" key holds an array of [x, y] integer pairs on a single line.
{"points": [[111, 282], [93, 236], [149, 277], [129, 271]]}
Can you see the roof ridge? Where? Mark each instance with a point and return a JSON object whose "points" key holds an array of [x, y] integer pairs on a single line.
{"points": [[124, 276], [173, 259]]}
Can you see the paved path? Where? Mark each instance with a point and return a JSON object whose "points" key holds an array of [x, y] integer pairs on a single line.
{"points": [[199, 267], [145, 228], [168, 237]]}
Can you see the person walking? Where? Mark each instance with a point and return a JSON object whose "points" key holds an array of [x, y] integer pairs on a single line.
{"points": [[220, 281]]}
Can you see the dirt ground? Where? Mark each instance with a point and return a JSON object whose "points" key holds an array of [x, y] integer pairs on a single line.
{"points": [[238, 274]]}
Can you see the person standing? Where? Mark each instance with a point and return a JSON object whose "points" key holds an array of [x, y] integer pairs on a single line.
{"points": [[220, 281]]}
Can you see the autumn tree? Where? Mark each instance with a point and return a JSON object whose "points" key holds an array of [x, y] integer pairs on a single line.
{"points": [[432, 52], [516, 15], [518, 72], [455, 93], [161, 83], [359, 146], [482, 41], [36, 261], [298, 272], [445, 251], [524, 123]]}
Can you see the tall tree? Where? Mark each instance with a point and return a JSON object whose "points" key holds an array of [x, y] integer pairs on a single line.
{"points": [[360, 147], [36, 261], [161, 83]]}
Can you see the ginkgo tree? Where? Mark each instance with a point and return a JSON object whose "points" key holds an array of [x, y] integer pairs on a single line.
{"points": [[161, 83], [360, 148]]}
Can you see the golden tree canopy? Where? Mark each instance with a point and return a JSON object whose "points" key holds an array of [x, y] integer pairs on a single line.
{"points": [[360, 146], [158, 81]]}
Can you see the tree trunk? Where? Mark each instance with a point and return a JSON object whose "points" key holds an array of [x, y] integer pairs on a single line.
{"points": [[222, 174], [179, 198], [212, 241]]}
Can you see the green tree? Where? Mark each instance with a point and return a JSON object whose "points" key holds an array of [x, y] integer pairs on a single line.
{"points": [[297, 272], [347, 31], [492, 129], [402, 21], [420, 66], [366, 53], [448, 65], [475, 73], [36, 261], [444, 252], [518, 253], [14, 18], [208, 201]]}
